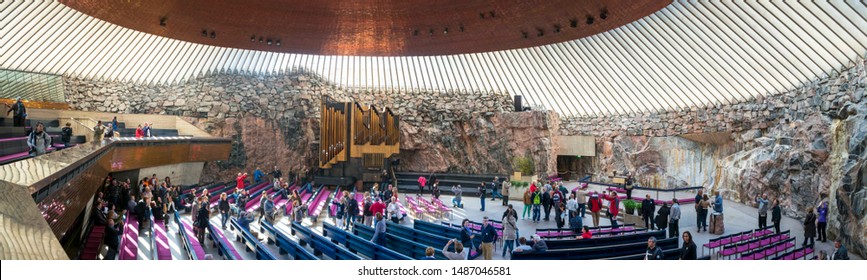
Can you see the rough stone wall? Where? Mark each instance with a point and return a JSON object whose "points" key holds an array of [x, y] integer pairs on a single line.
{"points": [[275, 120], [799, 146]]}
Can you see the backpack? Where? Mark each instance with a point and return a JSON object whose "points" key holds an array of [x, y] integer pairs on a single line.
{"points": [[537, 199]]}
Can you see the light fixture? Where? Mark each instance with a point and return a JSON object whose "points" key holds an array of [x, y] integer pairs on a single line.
{"points": [[213, 34], [204, 33], [461, 27], [253, 38], [481, 15], [269, 42], [430, 31], [415, 32], [590, 20], [260, 39], [163, 21], [525, 35], [556, 28], [278, 43], [493, 14], [540, 32], [446, 30], [603, 14], [573, 23]]}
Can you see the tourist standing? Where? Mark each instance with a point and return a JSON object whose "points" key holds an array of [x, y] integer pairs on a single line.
{"points": [[653, 252], [629, 183], [66, 135], [139, 132], [688, 250], [482, 195], [840, 252], [467, 235], [223, 206], [19, 112], [537, 205], [698, 198], [510, 230], [98, 130], [528, 204], [662, 216], [505, 192], [489, 235], [776, 215], [648, 207], [581, 198], [39, 140], [595, 207], [613, 208], [809, 228], [704, 208], [764, 205], [379, 231], [366, 211], [422, 181], [547, 201], [822, 210], [718, 202], [674, 219]]}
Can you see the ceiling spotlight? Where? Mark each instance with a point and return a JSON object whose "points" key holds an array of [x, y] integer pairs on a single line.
{"points": [[556, 28], [278, 43], [446, 30], [269, 42], [492, 14], [573, 23], [253, 38], [260, 39], [603, 14], [461, 28], [415, 32], [163, 21], [482, 15], [213, 34], [430, 31], [525, 35], [204, 33], [540, 32], [590, 20]]}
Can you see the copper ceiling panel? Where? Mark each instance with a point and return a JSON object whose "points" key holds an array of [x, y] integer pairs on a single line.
{"points": [[375, 28]]}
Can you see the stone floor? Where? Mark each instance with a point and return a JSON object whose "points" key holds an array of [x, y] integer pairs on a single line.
{"points": [[739, 218]]}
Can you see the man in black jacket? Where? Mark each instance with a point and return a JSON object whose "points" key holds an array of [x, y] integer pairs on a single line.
{"points": [[489, 236], [111, 239], [224, 208], [648, 207], [19, 113], [653, 252]]}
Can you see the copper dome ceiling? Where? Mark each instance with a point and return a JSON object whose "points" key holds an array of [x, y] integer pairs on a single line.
{"points": [[372, 27]]}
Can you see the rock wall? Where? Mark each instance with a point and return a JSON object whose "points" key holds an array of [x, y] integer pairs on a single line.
{"points": [[801, 146], [275, 120]]}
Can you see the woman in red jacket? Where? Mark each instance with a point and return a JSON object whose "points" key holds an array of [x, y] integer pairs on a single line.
{"points": [[595, 207], [139, 133]]}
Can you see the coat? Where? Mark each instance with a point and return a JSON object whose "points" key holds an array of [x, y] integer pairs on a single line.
{"points": [[510, 229], [810, 225]]}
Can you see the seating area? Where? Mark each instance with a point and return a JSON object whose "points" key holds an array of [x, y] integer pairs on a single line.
{"points": [[93, 243], [413, 249], [604, 241], [314, 207], [251, 243], [554, 233], [13, 140], [407, 182], [797, 254], [627, 248], [757, 243], [359, 245], [287, 246], [223, 244], [160, 240], [322, 245], [719, 242], [434, 208], [192, 247], [129, 242]]}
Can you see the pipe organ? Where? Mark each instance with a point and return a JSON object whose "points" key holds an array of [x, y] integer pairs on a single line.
{"points": [[356, 138]]}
